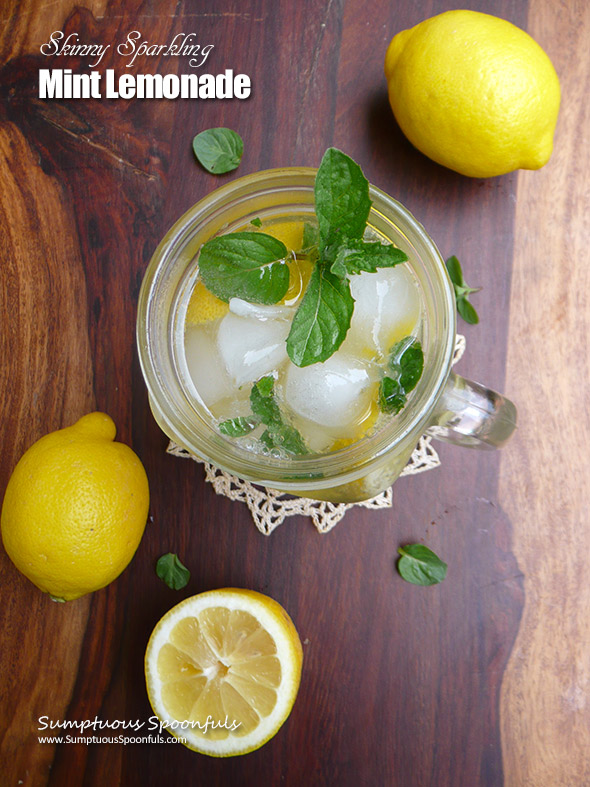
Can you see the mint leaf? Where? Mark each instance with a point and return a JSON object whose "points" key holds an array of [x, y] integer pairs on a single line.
{"points": [[322, 319], [392, 397], [263, 402], [407, 360], [311, 238], [278, 433], [247, 265], [342, 201], [467, 311], [219, 150], [357, 256], [406, 363], [420, 566], [238, 427], [256, 222], [462, 291], [172, 572], [454, 270]]}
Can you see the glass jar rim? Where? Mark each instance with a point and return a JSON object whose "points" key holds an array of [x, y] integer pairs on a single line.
{"points": [[166, 394]]}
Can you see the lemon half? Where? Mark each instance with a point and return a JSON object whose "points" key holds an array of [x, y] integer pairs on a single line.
{"points": [[222, 670]]}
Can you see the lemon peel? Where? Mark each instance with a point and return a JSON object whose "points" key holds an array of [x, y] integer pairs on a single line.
{"points": [[474, 93], [75, 508]]}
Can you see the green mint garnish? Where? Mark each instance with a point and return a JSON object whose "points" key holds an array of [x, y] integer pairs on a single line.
{"points": [[278, 433], [342, 207], [322, 319], [420, 566], [247, 265], [462, 291], [311, 238], [342, 201], [172, 572], [256, 222], [252, 265], [238, 427], [219, 150], [405, 366], [365, 256]]}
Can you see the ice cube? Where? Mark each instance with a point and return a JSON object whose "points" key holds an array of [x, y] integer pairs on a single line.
{"points": [[387, 308], [335, 393], [202, 357], [251, 348]]}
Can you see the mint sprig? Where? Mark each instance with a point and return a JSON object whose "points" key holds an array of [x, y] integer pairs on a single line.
{"points": [[252, 265], [265, 410], [462, 291], [278, 433], [247, 265]]}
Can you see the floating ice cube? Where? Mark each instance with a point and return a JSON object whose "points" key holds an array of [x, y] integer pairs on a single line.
{"points": [[251, 348], [387, 308], [260, 311], [202, 357], [335, 393]]}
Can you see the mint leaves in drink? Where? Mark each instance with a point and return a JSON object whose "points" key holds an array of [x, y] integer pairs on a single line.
{"points": [[219, 150], [420, 566], [252, 265], [247, 265], [404, 369], [462, 291], [266, 411], [172, 572]]}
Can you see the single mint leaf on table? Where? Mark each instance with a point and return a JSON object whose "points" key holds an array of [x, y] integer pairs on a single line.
{"points": [[322, 320], [420, 566], [247, 265], [278, 433], [342, 201], [238, 427], [462, 291], [219, 150], [172, 572], [358, 256]]}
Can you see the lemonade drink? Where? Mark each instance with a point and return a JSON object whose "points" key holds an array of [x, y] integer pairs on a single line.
{"points": [[230, 346]]}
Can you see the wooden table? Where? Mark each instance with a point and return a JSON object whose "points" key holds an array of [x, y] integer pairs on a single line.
{"points": [[482, 680]]}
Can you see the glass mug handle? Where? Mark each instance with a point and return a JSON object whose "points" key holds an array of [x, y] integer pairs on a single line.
{"points": [[472, 415]]}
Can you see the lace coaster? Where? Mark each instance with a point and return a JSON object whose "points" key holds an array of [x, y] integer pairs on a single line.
{"points": [[270, 508]]}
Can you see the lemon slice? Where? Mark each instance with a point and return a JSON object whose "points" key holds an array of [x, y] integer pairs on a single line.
{"points": [[222, 670], [204, 306]]}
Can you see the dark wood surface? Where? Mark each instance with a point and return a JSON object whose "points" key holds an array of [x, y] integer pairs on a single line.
{"points": [[401, 685]]}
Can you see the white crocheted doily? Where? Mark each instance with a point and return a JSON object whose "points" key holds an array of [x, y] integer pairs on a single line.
{"points": [[270, 508]]}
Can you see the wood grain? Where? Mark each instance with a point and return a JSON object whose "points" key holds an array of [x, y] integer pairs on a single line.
{"points": [[401, 685], [544, 476]]}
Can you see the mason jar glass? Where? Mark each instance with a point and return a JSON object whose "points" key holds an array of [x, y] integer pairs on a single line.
{"points": [[448, 406]]}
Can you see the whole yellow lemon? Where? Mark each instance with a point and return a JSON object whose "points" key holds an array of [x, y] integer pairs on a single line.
{"points": [[75, 509], [474, 93]]}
